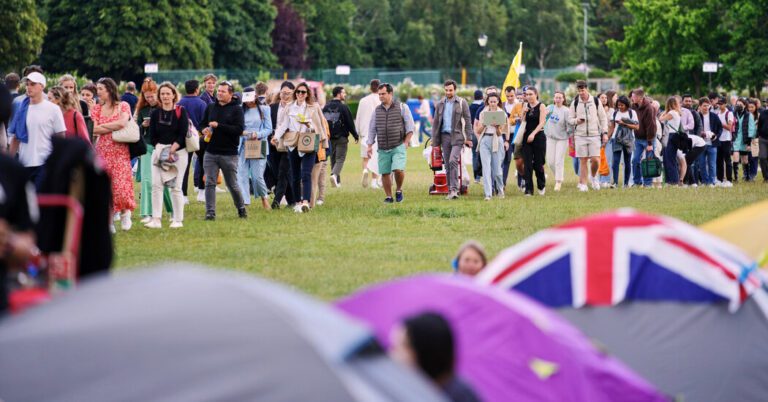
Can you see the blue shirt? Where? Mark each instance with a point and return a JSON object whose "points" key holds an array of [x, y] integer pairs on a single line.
{"points": [[195, 108], [253, 123], [447, 116], [130, 99]]}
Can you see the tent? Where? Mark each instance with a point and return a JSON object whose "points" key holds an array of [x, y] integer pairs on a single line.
{"points": [[683, 308], [747, 227], [189, 334], [508, 347]]}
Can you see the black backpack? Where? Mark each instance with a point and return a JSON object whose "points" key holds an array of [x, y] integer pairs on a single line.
{"points": [[576, 102], [333, 116]]}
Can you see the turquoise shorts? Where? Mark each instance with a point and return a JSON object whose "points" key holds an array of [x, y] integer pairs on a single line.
{"points": [[392, 159]]}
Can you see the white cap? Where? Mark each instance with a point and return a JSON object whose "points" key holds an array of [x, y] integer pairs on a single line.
{"points": [[35, 77]]}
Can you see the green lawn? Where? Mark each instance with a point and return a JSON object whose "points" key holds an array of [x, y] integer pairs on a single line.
{"points": [[355, 239]]}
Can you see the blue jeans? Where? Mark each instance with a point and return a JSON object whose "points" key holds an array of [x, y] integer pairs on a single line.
{"points": [[491, 163], [252, 169], [618, 150], [423, 130], [575, 165], [671, 171], [609, 158], [637, 156], [706, 165]]}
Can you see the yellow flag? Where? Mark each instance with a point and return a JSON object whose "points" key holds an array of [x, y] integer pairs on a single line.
{"points": [[513, 78]]}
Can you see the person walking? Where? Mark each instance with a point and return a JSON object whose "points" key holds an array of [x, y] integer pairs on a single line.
{"points": [[110, 115], [746, 129], [452, 132], [606, 151], [195, 108], [34, 122], [622, 127], [711, 129], [365, 111], [392, 127], [258, 126], [724, 165], [303, 115], [278, 158], [129, 96], [474, 108], [148, 102], [69, 83], [591, 123], [493, 141], [168, 126], [425, 117], [73, 119], [556, 132], [534, 141], [645, 135], [224, 123], [762, 134], [341, 125]]}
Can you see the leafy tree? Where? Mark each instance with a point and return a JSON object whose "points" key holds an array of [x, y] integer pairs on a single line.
{"points": [[331, 38], [606, 22], [242, 33], [115, 38], [666, 44], [378, 40], [551, 31], [289, 42], [21, 34], [747, 58]]}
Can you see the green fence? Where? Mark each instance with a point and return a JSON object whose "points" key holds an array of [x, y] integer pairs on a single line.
{"points": [[361, 76]]}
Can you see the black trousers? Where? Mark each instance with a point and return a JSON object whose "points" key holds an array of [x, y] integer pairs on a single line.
{"points": [[724, 165], [690, 158], [533, 159], [283, 187]]}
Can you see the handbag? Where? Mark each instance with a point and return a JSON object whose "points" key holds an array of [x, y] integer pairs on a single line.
{"points": [[192, 138], [255, 149], [651, 166], [308, 142], [128, 134], [137, 149], [289, 140]]}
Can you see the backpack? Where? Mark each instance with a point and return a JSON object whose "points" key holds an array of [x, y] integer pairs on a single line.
{"points": [[333, 116], [624, 135], [576, 102]]}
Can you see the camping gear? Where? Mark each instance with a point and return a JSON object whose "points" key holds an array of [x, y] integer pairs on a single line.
{"points": [[651, 166], [508, 347], [745, 227], [439, 184], [679, 306], [190, 334]]}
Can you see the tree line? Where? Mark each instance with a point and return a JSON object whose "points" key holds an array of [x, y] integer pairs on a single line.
{"points": [[656, 43]]}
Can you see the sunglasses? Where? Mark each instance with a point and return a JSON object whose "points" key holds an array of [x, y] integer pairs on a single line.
{"points": [[301, 92]]}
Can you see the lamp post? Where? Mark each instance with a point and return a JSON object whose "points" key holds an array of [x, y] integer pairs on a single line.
{"points": [[482, 40], [585, 5]]}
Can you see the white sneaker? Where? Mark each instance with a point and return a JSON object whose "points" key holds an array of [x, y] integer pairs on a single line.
{"points": [[334, 181], [583, 188], [604, 185], [146, 220], [176, 225], [186, 200], [595, 184], [220, 190], [365, 181], [112, 228], [125, 221], [154, 224], [727, 184], [297, 209], [501, 194], [375, 184], [319, 202], [116, 217], [542, 191], [201, 196], [487, 198]]}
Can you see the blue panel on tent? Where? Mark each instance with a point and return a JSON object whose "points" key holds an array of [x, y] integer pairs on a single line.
{"points": [[650, 281], [551, 285]]}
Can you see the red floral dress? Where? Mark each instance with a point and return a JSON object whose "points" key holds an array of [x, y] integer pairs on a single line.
{"points": [[117, 161]]}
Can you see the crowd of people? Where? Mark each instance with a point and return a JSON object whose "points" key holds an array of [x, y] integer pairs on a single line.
{"points": [[260, 143]]}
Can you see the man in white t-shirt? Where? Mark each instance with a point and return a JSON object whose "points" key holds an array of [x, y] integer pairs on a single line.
{"points": [[32, 137], [363, 121]]}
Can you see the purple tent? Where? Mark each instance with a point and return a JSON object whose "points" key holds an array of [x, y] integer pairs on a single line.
{"points": [[509, 347]]}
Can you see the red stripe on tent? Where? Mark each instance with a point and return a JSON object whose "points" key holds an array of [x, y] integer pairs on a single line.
{"points": [[523, 261]]}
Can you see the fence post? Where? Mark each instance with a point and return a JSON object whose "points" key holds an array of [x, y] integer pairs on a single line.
{"points": [[463, 76]]}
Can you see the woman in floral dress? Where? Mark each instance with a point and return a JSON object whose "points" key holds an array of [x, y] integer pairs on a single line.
{"points": [[111, 115]]}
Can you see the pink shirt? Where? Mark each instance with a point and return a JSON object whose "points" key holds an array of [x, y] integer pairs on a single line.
{"points": [[75, 124]]}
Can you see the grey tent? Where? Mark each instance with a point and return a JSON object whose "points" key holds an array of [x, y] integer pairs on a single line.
{"points": [[187, 334], [694, 351]]}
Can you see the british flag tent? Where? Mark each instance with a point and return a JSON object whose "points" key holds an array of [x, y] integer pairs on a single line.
{"points": [[683, 308]]}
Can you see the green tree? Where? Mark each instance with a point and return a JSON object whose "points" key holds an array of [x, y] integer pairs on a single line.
{"points": [[664, 47], [747, 58], [606, 22], [242, 33], [331, 37], [21, 34], [116, 38], [378, 40], [550, 32]]}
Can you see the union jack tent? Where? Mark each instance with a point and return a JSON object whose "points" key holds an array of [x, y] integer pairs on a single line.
{"points": [[608, 258]]}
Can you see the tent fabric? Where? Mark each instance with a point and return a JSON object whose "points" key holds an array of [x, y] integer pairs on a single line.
{"points": [[746, 227], [182, 333], [696, 352], [608, 258], [508, 347]]}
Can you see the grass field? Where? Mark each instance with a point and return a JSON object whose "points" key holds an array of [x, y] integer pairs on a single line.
{"points": [[355, 239]]}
